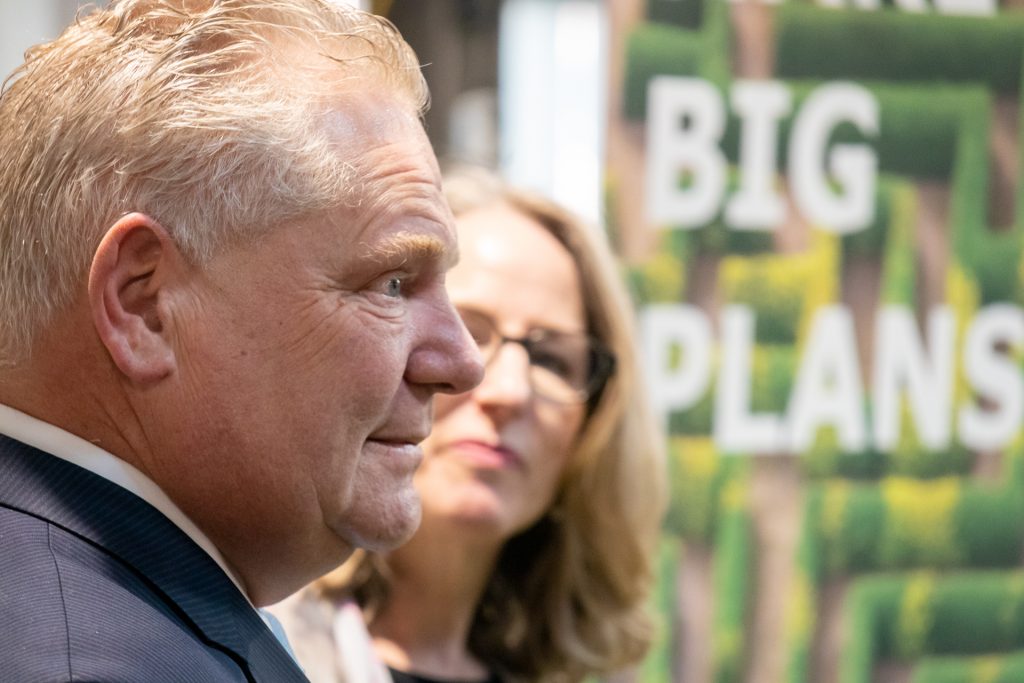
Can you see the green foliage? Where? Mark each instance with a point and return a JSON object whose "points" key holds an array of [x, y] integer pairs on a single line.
{"points": [[918, 129], [926, 614], [612, 202], [662, 277], [996, 261], [991, 257], [977, 613], [919, 126], [657, 50], [851, 518], [716, 238], [906, 523], [772, 376], [861, 615], [657, 665], [698, 476], [813, 42], [908, 458], [871, 240], [802, 603], [774, 372], [733, 572], [899, 262], [890, 236], [923, 613], [970, 185], [783, 290], [986, 669], [716, 65], [709, 504], [777, 301], [662, 49], [987, 523], [935, 131], [681, 13], [696, 420], [825, 459]]}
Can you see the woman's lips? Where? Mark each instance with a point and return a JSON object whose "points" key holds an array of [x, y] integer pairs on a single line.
{"points": [[486, 456]]}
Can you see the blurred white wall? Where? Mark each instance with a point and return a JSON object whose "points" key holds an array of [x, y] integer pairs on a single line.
{"points": [[360, 4], [552, 69], [24, 23]]}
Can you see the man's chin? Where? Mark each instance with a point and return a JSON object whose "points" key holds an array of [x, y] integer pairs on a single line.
{"points": [[390, 527]]}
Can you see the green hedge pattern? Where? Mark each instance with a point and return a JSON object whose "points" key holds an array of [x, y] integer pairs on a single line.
{"points": [[871, 511]]}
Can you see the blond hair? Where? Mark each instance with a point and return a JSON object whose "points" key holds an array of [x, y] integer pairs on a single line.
{"points": [[206, 115], [568, 596]]}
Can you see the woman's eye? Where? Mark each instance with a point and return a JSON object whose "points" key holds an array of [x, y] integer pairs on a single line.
{"points": [[552, 362]]}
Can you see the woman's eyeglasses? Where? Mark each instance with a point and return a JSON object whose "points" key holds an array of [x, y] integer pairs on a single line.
{"points": [[565, 367]]}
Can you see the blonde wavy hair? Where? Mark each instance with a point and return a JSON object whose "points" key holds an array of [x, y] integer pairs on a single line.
{"points": [[207, 115], [568, 597]]}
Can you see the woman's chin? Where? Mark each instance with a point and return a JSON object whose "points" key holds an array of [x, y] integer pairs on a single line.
{"points": [[480, 510]]}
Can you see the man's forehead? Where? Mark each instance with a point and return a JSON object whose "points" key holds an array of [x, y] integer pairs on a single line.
{"points": [[399, 181], [356, 116], [383, 139]]}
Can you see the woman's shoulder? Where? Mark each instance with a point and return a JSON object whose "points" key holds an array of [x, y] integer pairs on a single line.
{"points": [[304, 613], [405, 677], [308, 622], [330, 639]]}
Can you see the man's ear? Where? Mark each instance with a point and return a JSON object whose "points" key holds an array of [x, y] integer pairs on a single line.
{"points": [[132, 266]]}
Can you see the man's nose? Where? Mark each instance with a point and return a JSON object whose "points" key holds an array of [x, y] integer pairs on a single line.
{"points": [[468, 364], [447, 359]]}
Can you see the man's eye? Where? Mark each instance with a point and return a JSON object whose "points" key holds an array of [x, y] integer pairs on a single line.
{"points": [[393, 287]]}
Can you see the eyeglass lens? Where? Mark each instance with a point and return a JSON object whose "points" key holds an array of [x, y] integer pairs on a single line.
{"points": [[561, 364]]}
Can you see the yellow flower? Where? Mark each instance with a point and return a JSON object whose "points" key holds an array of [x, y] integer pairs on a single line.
{"points": [[800, 612], [919, 526], [915, 618], [785, 288], [986, 669], [833, 513], [962, 296], [693, 495]]}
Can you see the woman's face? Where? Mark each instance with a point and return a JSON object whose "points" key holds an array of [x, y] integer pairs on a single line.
{"points": [[495, 456]]}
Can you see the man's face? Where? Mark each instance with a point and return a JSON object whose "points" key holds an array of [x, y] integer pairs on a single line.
{"points": [[308, 363]]}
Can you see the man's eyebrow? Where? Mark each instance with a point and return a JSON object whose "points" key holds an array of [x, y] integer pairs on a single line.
{"points": [[412, 246]]}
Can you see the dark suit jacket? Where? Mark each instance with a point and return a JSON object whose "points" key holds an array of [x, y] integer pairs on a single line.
{"points": [[97, 585]]}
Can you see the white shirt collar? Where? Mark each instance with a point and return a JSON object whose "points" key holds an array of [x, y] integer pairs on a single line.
{"points": [[74, 449]]}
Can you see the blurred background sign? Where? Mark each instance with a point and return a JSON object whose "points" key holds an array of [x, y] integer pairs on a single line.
{"points": [[821, 205], [819, 208]]}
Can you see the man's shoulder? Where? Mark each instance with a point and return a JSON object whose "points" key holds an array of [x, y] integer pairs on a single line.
{"points": [[71, 610], [88, 566]]}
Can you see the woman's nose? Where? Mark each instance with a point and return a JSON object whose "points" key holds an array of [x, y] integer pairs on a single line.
{"points": [[506, 379]]}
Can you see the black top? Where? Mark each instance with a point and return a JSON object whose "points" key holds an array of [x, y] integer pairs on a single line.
{"points": [[406, 677]]}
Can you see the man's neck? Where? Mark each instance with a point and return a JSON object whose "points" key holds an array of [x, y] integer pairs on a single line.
{"points": [[90, 455]]}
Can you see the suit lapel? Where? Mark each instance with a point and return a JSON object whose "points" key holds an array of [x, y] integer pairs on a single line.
{"points": [[127, 527]]}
